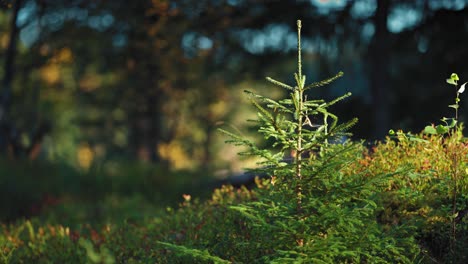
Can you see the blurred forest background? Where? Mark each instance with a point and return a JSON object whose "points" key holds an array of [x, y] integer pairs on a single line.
{"points": [[95, 83]]}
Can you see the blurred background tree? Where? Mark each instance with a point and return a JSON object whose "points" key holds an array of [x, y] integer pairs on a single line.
{"points": [[85, 82]]}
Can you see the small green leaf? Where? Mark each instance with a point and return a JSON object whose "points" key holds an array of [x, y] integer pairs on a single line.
{"points": [[391, 132], [455, 215], [416, 139], [430, 130], [453, 123], [441, 129], [451, 81], [454, 106]]}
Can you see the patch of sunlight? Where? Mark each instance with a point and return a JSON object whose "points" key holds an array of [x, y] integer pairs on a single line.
{"points": [[90, 82], [176, 155], [50, 74], [85, 156]]}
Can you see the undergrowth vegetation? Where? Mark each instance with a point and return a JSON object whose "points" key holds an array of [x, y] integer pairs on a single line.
{"points": [[326, 199]]}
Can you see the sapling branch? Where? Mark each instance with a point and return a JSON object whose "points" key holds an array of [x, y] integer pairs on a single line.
{"points": [[324, 82], [279, 83]]}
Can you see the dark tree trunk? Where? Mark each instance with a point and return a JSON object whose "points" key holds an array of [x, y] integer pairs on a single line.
{"points": [[6, 127], [146, 131], [207, 158], [379, 71]]}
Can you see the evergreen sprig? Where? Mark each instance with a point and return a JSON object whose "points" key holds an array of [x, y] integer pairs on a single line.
{"points": [[202, 255]]}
